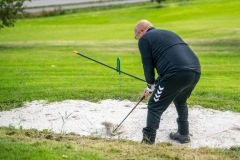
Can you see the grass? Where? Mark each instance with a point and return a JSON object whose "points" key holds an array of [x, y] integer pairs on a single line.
{"points": [[52, 72], [220, 63], [36, 145], [58, 74], [33, 145], [37, 63]]}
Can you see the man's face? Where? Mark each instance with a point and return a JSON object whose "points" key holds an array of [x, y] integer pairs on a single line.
{"points": [[139, 32], [137, 36]]}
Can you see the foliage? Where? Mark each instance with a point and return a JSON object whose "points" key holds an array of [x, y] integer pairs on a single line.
{"points": [[10, 10], [159, 2]]}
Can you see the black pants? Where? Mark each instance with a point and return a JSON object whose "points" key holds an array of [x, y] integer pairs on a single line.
{"points": [[176, 88]]}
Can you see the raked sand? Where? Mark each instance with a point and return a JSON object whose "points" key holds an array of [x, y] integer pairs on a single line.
{"points": [[210, 128]]}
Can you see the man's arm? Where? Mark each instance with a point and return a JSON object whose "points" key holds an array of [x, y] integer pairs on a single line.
{"points": [[147, 60]]}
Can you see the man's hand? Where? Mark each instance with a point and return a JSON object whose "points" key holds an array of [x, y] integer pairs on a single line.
{"points": [[147, 94], [149, 90]]}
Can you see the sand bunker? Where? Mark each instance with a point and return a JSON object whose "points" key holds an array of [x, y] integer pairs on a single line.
{"points": [[208, 127]]}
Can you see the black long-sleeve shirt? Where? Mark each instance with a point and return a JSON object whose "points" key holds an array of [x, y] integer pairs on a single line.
{"points": [[167, 52]]}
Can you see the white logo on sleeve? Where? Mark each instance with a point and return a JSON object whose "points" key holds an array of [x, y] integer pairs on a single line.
{"points": [[158, 93]]}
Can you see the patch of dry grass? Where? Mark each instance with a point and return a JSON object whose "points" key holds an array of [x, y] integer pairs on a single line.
{"points": [[117, 149]]}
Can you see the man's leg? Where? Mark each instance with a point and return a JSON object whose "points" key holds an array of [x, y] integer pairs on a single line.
{"points": [[155, 110], [180, 102], [153, 120], [164, 93]]}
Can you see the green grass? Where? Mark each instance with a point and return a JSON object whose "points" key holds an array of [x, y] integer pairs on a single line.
{"points": [[52, 72], [55, 73], [37, 63], [34, 145], [205, 20], [218, 87], [36, 60]]}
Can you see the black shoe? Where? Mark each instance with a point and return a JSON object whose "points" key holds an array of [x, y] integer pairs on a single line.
{"points": [[179, 137], [148, 140], [145, 141]]}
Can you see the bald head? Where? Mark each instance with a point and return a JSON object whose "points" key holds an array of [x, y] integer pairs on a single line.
{"points": [[141, 28], [142, 24]]}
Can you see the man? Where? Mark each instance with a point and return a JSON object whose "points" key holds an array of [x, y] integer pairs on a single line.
{"points": [[178, 71]]}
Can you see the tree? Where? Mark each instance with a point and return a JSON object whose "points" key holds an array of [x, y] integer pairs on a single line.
{"points": [[159, 2], [10, 10]]}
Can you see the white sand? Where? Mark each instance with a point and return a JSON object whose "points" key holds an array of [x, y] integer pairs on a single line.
{"points": [[208, 127]]}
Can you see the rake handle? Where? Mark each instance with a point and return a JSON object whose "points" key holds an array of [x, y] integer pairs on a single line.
{"points": [[129, 113], [76, 52]]}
